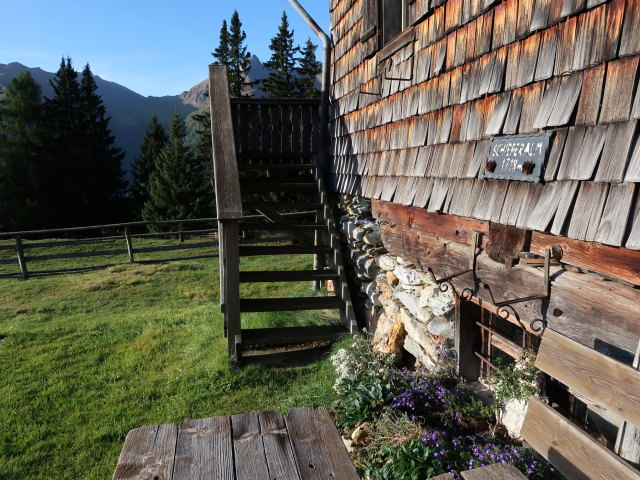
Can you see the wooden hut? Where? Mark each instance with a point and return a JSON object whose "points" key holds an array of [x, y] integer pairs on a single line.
{"points": [[498, 143]]}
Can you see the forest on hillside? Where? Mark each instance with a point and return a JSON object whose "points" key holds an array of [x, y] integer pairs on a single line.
{"points": [[59, 166]]}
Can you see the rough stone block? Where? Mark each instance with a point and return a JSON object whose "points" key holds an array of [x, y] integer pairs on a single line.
{"points": [[408, 276], [387, 262]]}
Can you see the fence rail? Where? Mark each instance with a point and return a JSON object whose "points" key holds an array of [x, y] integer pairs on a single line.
{"points": [[27, 245]]}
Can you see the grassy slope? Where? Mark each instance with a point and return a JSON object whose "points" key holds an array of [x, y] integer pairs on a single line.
{"points": [[87, 357]]}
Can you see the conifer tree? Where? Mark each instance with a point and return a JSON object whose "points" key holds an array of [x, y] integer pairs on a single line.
{"points": [[222, 52], [153, 140], [232, 53], [102, 185], [281, 82], [22, 175], [239, 58], [308, 69], [177, 186]]}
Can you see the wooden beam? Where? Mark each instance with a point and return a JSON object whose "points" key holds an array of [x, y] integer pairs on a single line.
{"points": [[596, 313], [574, 453], [628, 441], [447, 227], [127, 238], [225, 166], [599, 378], [615, 262]]}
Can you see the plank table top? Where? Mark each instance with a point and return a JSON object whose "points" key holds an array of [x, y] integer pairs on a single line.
{"points": [[304, 444]]}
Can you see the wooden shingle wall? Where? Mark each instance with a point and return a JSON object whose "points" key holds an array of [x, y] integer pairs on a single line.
{"points": [[413, 126]]}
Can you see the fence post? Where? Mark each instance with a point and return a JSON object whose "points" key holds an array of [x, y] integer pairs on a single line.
{"points": [[127, 237], [21, 258]]}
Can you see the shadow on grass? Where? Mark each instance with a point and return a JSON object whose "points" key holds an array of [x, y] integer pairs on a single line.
{"points": [[287, 357]]}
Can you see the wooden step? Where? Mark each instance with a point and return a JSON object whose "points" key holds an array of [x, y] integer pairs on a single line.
{"points": [[282, 226], [265, 185], [250, 250], [282, 205], [287, 276], [275, 166], [291, 335], [289, 304]]}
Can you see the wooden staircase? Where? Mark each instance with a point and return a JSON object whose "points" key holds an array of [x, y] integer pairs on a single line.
{"points": [[267, 185]]}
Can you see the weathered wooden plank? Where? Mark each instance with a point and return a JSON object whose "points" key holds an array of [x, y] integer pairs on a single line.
{"points": [[588, 211], [615, 217], [589, 106], [566, 100], [338, 456], [630, 38], [496, 471], [227, 185], [248, 449], [615, 262], [581, 152], [565, 50], [628, 440], [573, 452], [557, 147], [615, 15], [204, 450], [616, 151], [618, 90], [311, 453], [449, 227], [277, 447], [494, 126], [547, 53], [611, 384], [148, 452]]}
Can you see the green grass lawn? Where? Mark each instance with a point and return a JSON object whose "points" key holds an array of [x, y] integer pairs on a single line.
{"points": [[86, 357]]}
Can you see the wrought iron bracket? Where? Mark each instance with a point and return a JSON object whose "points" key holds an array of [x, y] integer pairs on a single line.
{"points": [[444, 283], [505, 308]]}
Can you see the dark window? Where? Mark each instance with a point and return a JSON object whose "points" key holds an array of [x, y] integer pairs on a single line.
{"points": [[393, 19]]}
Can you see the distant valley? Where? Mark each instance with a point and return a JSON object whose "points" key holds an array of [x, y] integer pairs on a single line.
{"points": [[130, 111]]}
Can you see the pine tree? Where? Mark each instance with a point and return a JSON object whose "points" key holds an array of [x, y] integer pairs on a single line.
{"points": [[281, 82], [308, 69], [223, 52], [177, 186], [153, 140], [239, 58], [102, 186], [232, 53], [22, 176]]}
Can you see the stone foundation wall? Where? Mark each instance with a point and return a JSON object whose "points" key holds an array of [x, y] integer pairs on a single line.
{"points": [[404, 308]]}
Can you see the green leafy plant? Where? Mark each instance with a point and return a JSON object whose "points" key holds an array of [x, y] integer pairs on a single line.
{"points": [[516, 381]]}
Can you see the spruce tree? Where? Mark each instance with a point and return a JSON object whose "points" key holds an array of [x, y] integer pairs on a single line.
{"points": [[239, 58], [222, 52], [22, 173], [63, 112], [281, 82], [102, 185], [177, 186], [153, 140], [308, 69]]}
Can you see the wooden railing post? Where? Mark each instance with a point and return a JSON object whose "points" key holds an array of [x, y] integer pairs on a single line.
{"points": [[228, 204], [127, 238], [21, 258]]}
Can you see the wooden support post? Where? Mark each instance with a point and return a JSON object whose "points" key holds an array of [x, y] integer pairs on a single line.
{"points": [[127, 238], [21, 258], [230, 287], [319, 261], [466, 339], [628, 441]]}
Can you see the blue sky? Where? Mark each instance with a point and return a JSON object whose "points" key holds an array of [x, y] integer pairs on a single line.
{"points": [[157, 47]]}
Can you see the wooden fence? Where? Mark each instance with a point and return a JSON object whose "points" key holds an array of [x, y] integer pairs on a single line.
{"points": [[119, 240], [275, 130]]}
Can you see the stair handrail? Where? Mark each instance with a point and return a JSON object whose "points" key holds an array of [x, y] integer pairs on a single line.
{"points": [[225, 165]]}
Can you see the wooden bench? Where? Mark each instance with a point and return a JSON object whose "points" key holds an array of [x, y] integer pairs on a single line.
{"points": [[597, 378], [496, 471], [304, 444]]}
